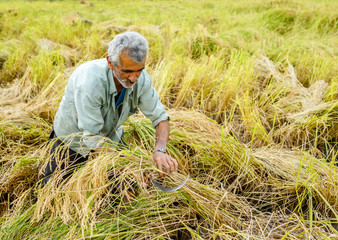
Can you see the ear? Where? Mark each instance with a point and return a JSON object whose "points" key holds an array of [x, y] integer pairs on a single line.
{"points": [[111, 66]]}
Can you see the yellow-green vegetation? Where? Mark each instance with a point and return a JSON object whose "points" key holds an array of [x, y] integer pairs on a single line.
{"points": [[251, 87]]}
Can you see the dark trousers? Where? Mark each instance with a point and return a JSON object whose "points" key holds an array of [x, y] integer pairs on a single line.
{"points": [[62, 157]]}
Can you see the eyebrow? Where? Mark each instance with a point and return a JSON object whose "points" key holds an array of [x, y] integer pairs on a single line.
{"points": [[130, 71]]}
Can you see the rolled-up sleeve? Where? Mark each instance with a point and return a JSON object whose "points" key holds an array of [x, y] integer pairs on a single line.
{"points": [[150, 104]]}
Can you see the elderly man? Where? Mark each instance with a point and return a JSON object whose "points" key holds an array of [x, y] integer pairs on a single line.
{"points": [[100, 96]]}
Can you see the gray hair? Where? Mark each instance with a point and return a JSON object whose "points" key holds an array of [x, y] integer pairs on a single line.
{"points": [[132, 43]]}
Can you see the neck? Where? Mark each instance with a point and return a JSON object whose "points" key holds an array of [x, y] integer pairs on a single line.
{"points": [[118, 85]]}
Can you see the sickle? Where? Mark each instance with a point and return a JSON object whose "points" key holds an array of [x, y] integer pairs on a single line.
{"points": [[165, 189]]}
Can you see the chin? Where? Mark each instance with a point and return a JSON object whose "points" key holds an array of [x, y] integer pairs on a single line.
{"points": [[128, 85]]}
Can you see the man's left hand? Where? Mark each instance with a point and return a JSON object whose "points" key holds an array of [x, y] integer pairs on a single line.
{"points": [[165, 163]]}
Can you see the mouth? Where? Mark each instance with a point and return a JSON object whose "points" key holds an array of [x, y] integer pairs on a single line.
{"points": [[127, 81]]}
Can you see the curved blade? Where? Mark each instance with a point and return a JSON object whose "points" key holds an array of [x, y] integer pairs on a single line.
{"points": [[165, 189]]}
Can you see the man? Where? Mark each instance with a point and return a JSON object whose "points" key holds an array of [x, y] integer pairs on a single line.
{"points": [[99, 97]]}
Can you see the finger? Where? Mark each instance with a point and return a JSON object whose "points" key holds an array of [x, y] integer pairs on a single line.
{"points": [[171, 165], [159, 166], [175, 163], [167, 167]]}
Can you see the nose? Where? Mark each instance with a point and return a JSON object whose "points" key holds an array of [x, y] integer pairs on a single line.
{"points": [[133, 77]]}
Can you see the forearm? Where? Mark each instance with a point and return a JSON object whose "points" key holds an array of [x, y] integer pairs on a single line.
{"points": [[163, 161], [162, 134]]}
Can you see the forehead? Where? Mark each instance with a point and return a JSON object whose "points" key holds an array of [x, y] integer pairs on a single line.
{"points": [[128, 63]]}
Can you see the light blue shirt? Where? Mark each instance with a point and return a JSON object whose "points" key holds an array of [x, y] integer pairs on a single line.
{"points": [[87, 110]]}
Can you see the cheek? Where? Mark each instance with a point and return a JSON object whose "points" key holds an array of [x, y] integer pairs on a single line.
{"points": [[138, 75]]}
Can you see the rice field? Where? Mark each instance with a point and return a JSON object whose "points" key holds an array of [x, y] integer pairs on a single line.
{"points": [[252, 91]]}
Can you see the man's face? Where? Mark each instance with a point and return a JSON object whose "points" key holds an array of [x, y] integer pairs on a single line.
{"points": [[127, 72]]}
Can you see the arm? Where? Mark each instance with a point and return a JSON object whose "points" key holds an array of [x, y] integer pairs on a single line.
{"points": [[163, 161], [153, 109]]}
